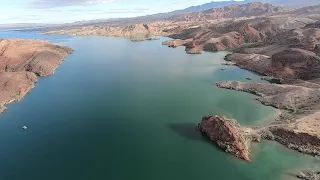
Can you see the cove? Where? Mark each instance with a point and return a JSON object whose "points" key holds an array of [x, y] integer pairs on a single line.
{"points": [[122, 110]]}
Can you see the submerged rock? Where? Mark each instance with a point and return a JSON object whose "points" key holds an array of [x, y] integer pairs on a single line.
{"points": [[139, 39], [309, 175], [229, 64]]}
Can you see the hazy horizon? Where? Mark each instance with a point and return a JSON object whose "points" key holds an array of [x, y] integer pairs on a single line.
{"points": [[68, 11]]}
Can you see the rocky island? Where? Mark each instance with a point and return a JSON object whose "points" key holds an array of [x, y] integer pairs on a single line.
{"points": [[21, 61], [228, 135]]}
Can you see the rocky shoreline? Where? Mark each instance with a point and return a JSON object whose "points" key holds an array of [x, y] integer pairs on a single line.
{"points": [[21, 61], [297, 127]]}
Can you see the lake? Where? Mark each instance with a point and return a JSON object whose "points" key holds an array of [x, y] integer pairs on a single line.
{"points": [[120, 110]]}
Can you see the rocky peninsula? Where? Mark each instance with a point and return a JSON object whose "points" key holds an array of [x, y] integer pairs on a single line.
{"points": [[21, 61], [298, 126]]}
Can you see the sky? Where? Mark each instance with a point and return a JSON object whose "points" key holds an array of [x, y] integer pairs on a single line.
{"points": [[65, 11]]}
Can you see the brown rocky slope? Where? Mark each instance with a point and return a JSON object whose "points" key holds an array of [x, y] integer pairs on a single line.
{"points": [[20, 62], [291, 54]]}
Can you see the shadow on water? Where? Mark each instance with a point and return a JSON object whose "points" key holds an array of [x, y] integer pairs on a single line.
{"points": [[291, 175], [189, 131]]}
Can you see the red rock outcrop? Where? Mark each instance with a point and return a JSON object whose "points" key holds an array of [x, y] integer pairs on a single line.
{"points": [[226, 135]]}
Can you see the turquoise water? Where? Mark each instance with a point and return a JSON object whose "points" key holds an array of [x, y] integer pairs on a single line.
{"points": [[121, 110]]}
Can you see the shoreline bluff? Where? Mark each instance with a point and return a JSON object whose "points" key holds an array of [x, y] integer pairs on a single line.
{"points": [[21, 61]]}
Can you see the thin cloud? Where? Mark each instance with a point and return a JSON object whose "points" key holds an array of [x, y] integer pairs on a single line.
{"points": [[110, 11], [43, 4], [115, 11]]}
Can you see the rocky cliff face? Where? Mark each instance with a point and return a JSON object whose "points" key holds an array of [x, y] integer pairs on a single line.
{"points": [[20, 61], [226, 134]]}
